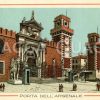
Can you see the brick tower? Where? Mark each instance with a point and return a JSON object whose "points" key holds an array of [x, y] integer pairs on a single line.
{"points": [[62, 35], [93, 55]]}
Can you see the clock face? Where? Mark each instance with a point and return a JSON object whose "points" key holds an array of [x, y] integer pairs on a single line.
{"points": [[66, 49]]}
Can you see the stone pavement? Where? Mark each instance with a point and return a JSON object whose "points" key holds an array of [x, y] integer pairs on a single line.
{"points": [[82, 87]]}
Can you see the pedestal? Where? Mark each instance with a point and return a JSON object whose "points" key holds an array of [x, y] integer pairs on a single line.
{"points": [[15, 82]]}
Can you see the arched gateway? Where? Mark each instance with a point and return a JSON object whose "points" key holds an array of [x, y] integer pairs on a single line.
{"points": [[31, 58]]}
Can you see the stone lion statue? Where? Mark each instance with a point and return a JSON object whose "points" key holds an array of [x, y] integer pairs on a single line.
{"points": [[14, 71]]}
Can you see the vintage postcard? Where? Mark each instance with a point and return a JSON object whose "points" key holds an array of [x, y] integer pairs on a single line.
{"points": [[49, 50]]}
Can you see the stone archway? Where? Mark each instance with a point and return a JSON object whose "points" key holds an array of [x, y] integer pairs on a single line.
{"points": [[31, 61]]}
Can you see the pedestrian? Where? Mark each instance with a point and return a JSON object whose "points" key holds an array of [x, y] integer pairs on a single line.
{"points": [[61, 88], [0, 87], [98, 86], [74, 87], [3, 87]]}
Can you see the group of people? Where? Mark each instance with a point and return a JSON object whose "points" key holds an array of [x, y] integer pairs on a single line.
{"points": [[2, 87], [60, 88]]}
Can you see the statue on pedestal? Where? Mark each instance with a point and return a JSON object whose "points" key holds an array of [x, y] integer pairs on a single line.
{"points": [[14, 72], [24, 19], [13, 69]]}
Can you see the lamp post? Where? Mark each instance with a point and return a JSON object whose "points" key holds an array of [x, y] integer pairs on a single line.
{"points": [[54, 71]]}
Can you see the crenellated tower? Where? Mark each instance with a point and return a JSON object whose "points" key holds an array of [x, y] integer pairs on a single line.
{"points": [[93, 55], [62, 35]]}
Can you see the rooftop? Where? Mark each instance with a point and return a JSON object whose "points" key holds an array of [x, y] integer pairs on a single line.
{"points": [[62, 16], [32, 21], [80, 56], [93, 34]]}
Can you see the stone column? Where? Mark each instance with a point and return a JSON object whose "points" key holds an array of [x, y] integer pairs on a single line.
{"points": [[39, 67], [42, 58], [39, 72], [23, 51]]}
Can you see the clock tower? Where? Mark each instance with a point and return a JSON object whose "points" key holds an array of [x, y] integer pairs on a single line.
{"points": [[62, 35]]}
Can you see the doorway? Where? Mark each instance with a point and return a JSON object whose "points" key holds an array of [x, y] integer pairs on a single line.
{"points": [[28, 77]]}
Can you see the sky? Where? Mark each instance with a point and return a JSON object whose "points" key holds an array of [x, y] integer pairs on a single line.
{"points": [[83, 22]]}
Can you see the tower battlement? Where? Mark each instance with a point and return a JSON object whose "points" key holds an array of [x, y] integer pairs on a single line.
{"points": [[7, 33], [51, 44]]}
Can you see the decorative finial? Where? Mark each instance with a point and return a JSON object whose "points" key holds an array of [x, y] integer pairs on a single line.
{"points": [[66, 12], [97, 29], [32, 17], [23, 20]]}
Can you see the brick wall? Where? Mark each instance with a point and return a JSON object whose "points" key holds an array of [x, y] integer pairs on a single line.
{"points": [[9, 39], [98, 58], [52, 53], [91, 61], [67, 62]]}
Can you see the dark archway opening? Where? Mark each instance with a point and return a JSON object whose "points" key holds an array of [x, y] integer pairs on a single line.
{"points": [[1, 46], [31, 61]]}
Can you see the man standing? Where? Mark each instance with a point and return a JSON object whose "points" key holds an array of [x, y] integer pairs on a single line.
{"points": [[3, 87], [61, 88], [98, 85]]}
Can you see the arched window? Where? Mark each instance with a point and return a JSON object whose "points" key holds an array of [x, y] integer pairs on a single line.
{"points": [[1, 46]]}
